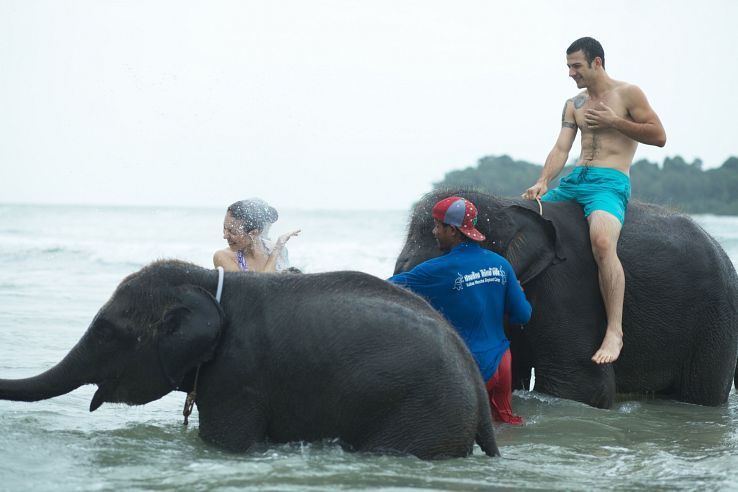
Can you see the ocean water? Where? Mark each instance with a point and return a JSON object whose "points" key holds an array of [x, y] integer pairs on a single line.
{"points": [[59, 264]]}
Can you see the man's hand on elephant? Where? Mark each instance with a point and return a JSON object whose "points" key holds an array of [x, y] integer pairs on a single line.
{"points": [[601, 116], [535, 191]]}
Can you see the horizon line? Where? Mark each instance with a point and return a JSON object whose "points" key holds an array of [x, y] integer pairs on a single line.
{"points": [[202, 207]]}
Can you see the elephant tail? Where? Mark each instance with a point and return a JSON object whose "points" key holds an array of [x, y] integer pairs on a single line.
{"points": [[485, 433]]}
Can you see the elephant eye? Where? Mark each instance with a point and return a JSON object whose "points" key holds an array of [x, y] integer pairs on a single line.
{"points": [[110, 332], [103, 327], [103, 333]]}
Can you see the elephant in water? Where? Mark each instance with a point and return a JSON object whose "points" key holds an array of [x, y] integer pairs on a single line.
{"points": [[680, 319], [282, 358]]}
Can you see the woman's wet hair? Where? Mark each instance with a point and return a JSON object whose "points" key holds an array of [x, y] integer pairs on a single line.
{"points": [[253, 213]]}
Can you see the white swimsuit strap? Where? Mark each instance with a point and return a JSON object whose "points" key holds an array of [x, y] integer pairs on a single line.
{"points": [[220, 284]]}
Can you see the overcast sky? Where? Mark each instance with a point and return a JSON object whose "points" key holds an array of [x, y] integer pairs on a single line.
{"points": [[330, 103]]}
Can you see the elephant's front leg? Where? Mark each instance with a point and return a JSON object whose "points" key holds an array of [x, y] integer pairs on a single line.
{"points": [[584, 381], [562, 335], [521, 357], [232, 425]]}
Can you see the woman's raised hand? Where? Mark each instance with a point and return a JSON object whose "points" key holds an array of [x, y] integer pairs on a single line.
{"points": [[286, 237]]}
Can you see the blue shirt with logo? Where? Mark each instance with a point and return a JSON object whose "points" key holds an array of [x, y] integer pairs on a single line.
{"points": [[474, 289]]}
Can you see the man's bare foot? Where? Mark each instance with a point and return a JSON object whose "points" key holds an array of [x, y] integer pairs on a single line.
{"points": [[609, 350]]}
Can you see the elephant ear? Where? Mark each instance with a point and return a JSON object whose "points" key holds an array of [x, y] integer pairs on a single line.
{"points": [[529, 241], [189, 332]]}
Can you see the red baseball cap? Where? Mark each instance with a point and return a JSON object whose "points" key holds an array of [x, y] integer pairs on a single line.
{"points": [[460, 213]]}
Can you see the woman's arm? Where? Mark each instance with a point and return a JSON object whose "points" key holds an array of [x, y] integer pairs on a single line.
{"points": [[271, 264]]}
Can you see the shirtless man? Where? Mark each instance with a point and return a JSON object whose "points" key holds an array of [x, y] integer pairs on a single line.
{"points": [[613, 117]]}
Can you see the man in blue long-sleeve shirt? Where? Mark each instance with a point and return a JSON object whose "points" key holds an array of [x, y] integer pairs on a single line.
{"points": [[474, 289]]}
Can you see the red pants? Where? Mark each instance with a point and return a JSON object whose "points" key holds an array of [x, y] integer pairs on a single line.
{"points": [[499, 389]]}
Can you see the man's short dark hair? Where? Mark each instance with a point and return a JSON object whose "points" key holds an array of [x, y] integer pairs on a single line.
{"points": [[590, 47]]}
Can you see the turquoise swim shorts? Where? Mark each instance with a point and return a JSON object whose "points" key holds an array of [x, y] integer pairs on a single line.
{"points": [[594, 188]]}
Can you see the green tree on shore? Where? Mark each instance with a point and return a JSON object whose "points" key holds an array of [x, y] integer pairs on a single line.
{"points": [[676, 183]]}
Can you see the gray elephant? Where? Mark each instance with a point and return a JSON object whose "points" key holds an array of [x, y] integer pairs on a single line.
{"points": [[680, 319], [282, 358]]}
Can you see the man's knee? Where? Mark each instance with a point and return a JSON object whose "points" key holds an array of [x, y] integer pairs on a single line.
{"points": [[603, 244], [604, 231]]}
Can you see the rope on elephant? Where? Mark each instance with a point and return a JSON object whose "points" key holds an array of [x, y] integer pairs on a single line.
{"points": [[190, 400], [540, 206]]}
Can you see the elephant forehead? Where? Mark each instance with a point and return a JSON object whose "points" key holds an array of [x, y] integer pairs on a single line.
{"points": [[142, 294], [133, 315]]}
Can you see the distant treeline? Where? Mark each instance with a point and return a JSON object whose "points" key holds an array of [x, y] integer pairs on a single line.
{"points": [[676, 184]]}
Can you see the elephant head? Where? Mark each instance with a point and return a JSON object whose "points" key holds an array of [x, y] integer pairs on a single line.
{"points": [[529, 241], [158, 326]]}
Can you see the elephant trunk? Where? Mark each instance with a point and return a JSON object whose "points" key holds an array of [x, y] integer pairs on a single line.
{"points": [[66, 376]]}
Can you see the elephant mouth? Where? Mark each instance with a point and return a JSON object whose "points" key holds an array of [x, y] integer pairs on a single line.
{"points": [[112, 391], [105, 393]]}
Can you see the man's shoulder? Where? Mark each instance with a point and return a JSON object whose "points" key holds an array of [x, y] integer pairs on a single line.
{"points": [[452, 260], [626, 89], [487, 252], [437, 262], [498, 259], [491, 255], [428, 265], [578, 99]]}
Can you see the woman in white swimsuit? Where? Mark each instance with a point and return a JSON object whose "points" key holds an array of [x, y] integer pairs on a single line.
{"points": [[244, 224]]}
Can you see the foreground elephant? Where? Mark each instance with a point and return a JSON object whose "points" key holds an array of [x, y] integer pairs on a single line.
{"points": [[283, 358], [680, 319]]}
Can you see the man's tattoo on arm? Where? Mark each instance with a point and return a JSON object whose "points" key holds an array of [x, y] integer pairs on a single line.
{"points": [[580, 100], [566, 124]]}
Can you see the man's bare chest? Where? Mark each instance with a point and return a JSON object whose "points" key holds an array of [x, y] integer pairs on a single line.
{"points": [[583, 103]]}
